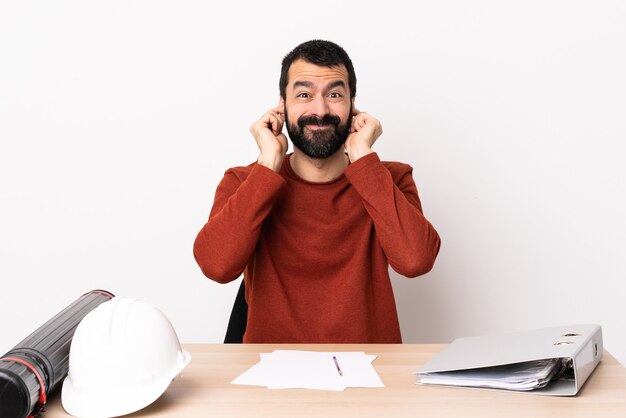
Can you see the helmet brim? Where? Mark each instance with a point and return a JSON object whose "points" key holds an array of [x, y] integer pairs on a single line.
{"points": [[115, 400]]}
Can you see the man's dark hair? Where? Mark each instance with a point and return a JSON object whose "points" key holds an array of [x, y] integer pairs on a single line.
{"points": [[318, 52]]}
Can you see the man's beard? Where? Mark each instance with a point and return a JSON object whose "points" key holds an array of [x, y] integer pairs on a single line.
{"points": [[319, 143]]}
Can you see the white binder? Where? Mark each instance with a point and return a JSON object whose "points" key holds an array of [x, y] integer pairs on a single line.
{"points": [[582, 344]]}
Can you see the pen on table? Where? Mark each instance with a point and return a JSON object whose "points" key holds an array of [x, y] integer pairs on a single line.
{"points": [[337, 365]]}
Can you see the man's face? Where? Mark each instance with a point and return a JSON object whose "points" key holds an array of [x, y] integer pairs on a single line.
{"points": [[317, 108]]}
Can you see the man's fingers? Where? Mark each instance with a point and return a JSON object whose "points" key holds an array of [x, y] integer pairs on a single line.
{"points": [[364, 122], [270, 120], [358, 121], [278, 110], [268, 129], [277, 122]]}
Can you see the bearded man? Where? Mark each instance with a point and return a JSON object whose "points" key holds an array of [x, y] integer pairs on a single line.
{"points": [[315, 231]]}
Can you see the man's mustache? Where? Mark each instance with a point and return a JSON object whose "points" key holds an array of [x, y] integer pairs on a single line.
{"points": [[323, 121]]}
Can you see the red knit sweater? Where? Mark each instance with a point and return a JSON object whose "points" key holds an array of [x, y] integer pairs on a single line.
{"points": [[315, 256]]}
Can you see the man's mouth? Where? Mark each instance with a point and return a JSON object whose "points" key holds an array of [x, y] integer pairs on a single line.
{"points": [[316, 127]]}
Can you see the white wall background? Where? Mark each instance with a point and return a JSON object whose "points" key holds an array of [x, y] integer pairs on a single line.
{"points": [[118, 119]]}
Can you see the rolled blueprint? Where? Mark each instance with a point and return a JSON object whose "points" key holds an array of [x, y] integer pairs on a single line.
{"points": [[36, 366]]}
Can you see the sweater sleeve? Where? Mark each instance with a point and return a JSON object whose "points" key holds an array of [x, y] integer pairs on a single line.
{"points": [[226, 242], [409, 241]]}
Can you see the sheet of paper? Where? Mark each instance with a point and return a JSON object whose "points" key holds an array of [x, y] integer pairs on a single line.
{"points": [[286, 369], [301, 369], [255, 375], [358, 370]]}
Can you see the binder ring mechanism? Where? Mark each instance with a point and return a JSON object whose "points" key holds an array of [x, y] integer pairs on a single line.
{"points": [[567, 342]]}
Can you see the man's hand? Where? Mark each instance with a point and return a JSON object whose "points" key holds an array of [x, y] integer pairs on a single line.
{"points": [[272, 143], [364, 131]]}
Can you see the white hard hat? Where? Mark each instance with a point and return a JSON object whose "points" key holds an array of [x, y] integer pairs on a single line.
{"points": [[123, 356]]}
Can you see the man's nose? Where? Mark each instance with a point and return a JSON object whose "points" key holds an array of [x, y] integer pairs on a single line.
{"points": [[319, 107]]}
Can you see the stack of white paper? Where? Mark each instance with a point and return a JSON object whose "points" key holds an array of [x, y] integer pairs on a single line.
{"points": [[284, 369], [528, 375]]}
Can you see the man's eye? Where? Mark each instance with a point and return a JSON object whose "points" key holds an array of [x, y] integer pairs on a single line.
{"points": [[303, 95], [334, 95]]}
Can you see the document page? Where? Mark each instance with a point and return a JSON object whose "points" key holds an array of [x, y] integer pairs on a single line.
{"points": [[287, 369]]}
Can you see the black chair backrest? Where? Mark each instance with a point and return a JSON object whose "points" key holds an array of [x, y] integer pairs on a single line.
{"points": [[238, 318]]}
